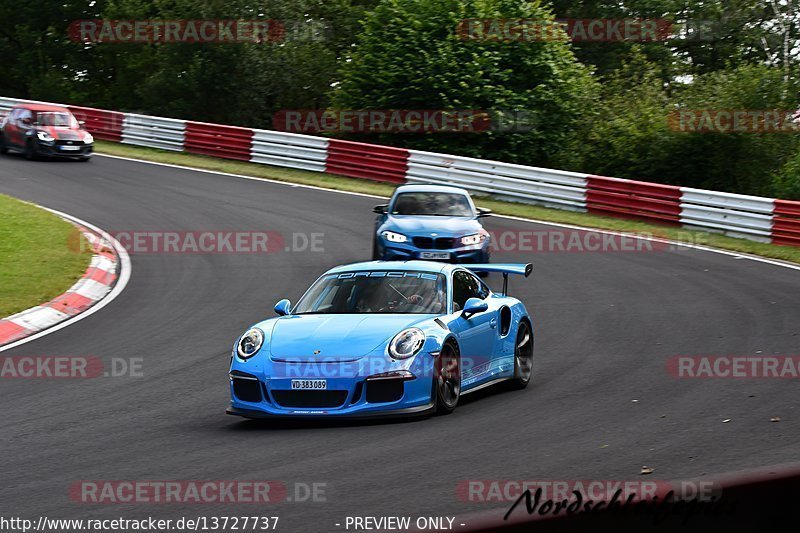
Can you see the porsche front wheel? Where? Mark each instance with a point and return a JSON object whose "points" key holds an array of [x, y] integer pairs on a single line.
{"points": [[448, 379]]}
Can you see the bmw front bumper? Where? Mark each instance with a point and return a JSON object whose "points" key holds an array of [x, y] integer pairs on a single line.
{"points": [[393, 251]]}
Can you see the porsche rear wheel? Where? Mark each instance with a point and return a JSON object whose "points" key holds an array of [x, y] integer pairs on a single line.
{"points": [[448, 379], [523, 356]]}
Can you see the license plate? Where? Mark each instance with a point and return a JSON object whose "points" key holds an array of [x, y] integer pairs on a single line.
{"points": [[434, 255], [309, 384], [70, 147]]}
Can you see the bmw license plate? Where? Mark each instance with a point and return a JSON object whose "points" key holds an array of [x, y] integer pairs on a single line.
{"points": [[70, 147], [309, 384], [434, 255]]}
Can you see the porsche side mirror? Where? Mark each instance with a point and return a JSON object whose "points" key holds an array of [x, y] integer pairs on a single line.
{"points": [[283, 307], [473, 306], [81, 123], [483, 212], [381, 209]]}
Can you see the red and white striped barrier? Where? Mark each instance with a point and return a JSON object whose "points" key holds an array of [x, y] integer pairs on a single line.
{"points": [[368, 161], [95, 284], [737, 215]]}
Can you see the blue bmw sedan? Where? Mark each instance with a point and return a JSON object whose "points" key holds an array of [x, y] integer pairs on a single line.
{"points": [[433, 223]]}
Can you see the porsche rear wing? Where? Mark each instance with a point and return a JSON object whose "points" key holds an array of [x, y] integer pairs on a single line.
{"points": [[520, 269]]}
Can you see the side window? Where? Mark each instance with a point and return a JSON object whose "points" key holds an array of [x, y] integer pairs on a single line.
{"points": [[22, 115], [466, 286], [12, 116], [483, 289]]}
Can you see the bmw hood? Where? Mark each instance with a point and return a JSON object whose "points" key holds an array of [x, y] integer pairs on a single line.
{"points": [[336, 338], [425, 225]]}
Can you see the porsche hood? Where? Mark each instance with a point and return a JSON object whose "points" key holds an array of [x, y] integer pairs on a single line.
{"points": [[334, 338]]}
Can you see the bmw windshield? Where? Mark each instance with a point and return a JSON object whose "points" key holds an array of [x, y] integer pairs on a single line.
{"points": [[397, 292], [432, 204]]}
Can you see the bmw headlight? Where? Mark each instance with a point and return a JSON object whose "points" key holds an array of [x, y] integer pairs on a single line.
{"points": [[407, 343], [471, 240], [88, 139], [250, 343], [394, 237], [45, 136]]}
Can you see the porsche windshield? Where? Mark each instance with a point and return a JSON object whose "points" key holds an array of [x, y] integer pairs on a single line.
{"points": [[443, 204], [398, 292]]}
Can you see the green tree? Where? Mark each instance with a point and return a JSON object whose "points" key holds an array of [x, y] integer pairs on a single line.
{"points": [[632, 137], [629, 137], [37, 58], [409, 56], [786, 182]]}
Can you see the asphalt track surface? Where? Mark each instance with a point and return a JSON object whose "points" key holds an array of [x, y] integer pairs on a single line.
{"points": [[601, 404]]}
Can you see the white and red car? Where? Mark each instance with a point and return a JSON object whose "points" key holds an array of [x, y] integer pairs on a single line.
{"points": [[39, 130]]}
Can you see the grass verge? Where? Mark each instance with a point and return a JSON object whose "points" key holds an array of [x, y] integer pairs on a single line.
{"points": [[40, 256], [786, 253]]}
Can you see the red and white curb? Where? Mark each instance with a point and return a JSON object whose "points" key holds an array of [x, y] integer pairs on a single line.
{"points": [[106, 276]]}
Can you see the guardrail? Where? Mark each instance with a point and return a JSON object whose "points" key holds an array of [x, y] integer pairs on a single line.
{"points": [[737, 215], [639, 200], [369, 161], [786, 223], [106, 125], [553, 188], [7, 103], [289, 150], [155, 132], [749, 217], [229, 142]]}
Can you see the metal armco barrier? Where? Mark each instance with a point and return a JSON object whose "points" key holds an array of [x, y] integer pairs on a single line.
{"points": [[369, 161], [555, 188], [155, 132], [633, 199], [289, 150], [106, 125], [7, 103], [737, 215], [786, 223], [229, 142]]}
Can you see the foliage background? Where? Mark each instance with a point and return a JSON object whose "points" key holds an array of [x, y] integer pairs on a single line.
{"points": [[597, 107]]}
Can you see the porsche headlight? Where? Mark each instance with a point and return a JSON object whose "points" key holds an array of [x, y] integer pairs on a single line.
{"points": [[470, 240], [394, 237], [45, 136], [407, 343], [88, 139], [250, 343]]}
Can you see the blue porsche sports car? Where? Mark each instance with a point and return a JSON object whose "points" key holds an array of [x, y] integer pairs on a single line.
{"points": [[431, 222], [383, 338]]}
